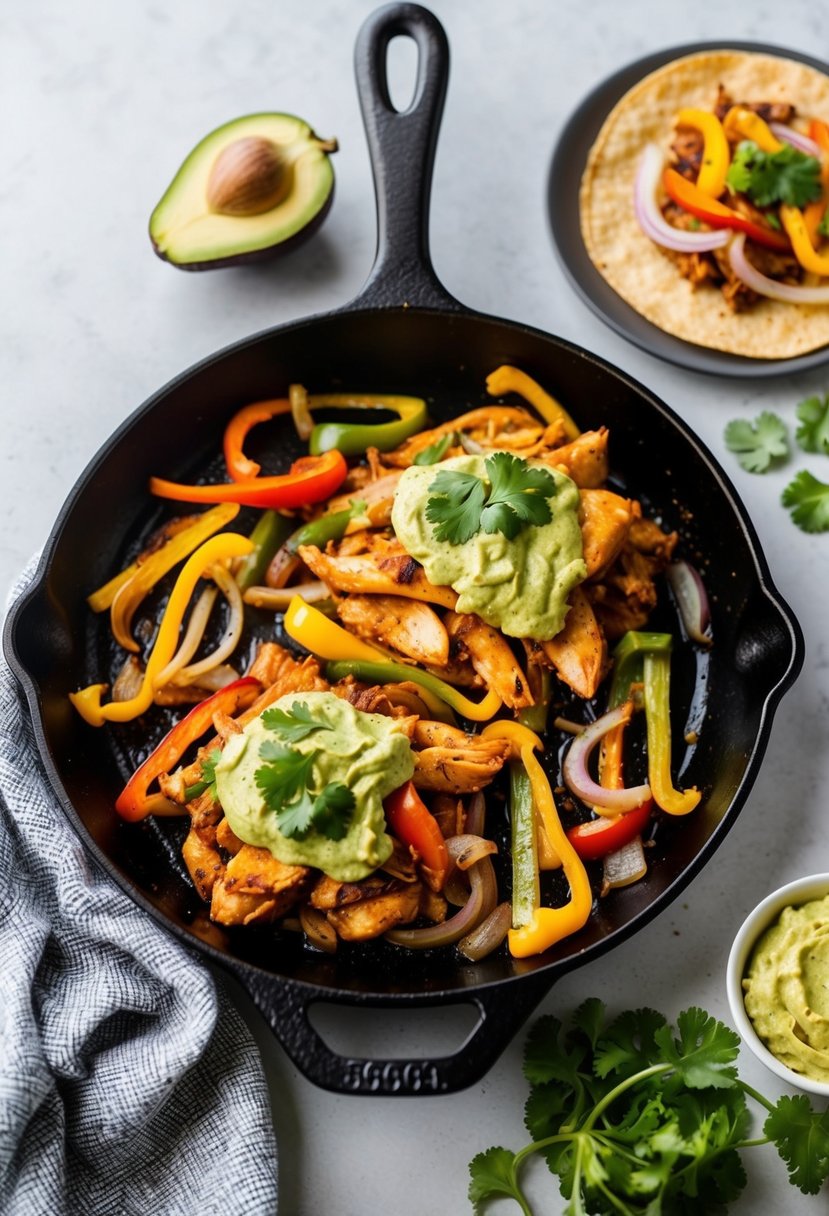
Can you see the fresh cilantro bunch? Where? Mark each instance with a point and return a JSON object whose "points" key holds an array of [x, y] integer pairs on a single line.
{"points": [[515, 495], [286, 779], [786, 176], [638, 1119]]}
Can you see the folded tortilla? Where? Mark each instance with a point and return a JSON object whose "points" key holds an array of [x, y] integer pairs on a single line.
{"points": [[641, 274]]}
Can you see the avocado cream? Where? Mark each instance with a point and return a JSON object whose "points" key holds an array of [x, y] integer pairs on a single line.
{"points": [[519, 586], [369, 753], [787, 989]]}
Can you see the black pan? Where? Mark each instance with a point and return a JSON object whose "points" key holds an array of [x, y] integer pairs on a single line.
{"points": [[403, 333]]}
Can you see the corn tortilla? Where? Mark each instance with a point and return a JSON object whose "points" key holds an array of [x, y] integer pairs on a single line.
{"points": [[636, 269]]}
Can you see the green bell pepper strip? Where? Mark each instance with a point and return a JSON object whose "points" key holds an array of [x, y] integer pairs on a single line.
{"points": [[328, 527], [268, 535], [352, 439], [391, 672], [526, 895], [535, 715]]}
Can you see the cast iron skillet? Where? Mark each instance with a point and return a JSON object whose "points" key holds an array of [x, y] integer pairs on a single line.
{"points": [[404, 333]]}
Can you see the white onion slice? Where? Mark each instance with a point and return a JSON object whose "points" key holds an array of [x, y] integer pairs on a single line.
{"points": [[802, 142], [625, 865], [233, 630], [692, 600], [192, 636], [277, 599], [465, 850], [786, 293], [652, 221], [578, 779]]}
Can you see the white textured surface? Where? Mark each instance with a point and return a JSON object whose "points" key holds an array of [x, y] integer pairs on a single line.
{"points": [[100, 103]]}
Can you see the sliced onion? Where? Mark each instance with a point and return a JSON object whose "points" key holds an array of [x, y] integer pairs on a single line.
{"points": [[652, 221], [303, 418], [802, 142], [786, 293], [192, 636], [218, 677], [465, 850], [578, 779], [470, 445], [233, 630], [318, 929], [692, 600], [277, 599], [488, 935], [625, 865], [129, 680], [474, 818], [479, 905]]}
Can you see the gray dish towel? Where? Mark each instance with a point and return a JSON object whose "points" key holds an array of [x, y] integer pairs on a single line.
{"points": [[128, 1083]]}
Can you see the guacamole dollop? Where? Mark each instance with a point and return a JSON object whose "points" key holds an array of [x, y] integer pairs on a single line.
{"points": [[787, 988], [367, 752], [519, 586]]}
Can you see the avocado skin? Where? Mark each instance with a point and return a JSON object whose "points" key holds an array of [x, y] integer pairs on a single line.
{"points": [[270, 254]]}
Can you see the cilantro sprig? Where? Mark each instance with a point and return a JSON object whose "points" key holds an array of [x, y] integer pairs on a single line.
{"points": [[295, 724], [514, 496], [757, 444], [437, 450], [208, 777], [813, 433], [808, 501], [786, 176], [637, 1118]]}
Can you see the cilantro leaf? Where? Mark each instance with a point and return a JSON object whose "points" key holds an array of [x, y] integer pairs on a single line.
{"points": [[284, 776], [629, 1043], [284, 782], [515, 496], [757, 443], [437, 450], [293, 726], [492, 1174], [295, 819], [332, 810], [786, 176], [208, 777], [813, 432], [456, 506], [808, 500], [705, 1051], [802, 1140]]}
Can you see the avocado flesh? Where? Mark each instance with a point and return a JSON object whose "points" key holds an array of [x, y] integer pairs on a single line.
{"points": [[187, 233]]}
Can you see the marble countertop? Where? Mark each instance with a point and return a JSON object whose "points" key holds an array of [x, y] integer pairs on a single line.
{"points": [[107, 99]]}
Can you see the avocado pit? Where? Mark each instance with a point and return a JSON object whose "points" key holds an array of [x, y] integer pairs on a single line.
{"points": [[248, 177]]}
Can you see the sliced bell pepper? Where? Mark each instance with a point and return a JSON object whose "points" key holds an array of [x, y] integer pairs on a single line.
{"points": [[794, 222], [656, 678], [325, 638], [813, 213], [87, 701], [535, 928], [147, 573], [268, 535], [328, 527], [311, 479], [688, 196], [239, 466], [508, 379], [411, 821], [716, 154], [604, 835], [387, 671], [353, 439], [740, 123], [134, 802]]}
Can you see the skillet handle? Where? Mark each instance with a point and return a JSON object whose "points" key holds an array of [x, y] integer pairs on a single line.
{"points": [[402, 148], [502, 1011]]}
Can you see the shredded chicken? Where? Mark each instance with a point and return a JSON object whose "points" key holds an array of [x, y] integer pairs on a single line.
{"points": [[257, 887], [491, 655], [584, 460], [360, 911], [605, 520], [578, 654], [409, 626], [398, 574]]}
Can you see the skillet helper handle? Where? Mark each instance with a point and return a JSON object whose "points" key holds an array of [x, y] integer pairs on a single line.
{"points": [[502, 1011], [402, 145]]}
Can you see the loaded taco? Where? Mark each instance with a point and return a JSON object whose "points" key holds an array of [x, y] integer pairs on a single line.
{"points": [[704, 202]]}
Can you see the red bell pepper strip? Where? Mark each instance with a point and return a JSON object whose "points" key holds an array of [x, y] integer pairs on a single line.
{"points": [[134, 802], [686, 195], [239, 466], [311, 479], [606, 834], [412, 822]]}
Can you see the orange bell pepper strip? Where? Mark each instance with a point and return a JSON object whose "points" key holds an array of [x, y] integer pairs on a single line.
{"points": [[87, 701], [239, 466], [716, 154], [311, 479], [740, 123], [411, 821], [542, 927], [135, 802], [686, 195], [794, 222], [813, 213]]}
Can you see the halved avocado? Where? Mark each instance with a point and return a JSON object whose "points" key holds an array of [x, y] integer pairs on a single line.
{"points": [[251, 189]]}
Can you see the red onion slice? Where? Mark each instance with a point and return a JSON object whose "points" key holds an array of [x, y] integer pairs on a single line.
{"points": [[488, 935], [479, 905], [786, 293], [465, 850], [578, 779], [652, 221], [802, 142], [692, 600]]}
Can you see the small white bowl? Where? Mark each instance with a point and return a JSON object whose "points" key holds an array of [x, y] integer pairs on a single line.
{"points": [[815, 886]]}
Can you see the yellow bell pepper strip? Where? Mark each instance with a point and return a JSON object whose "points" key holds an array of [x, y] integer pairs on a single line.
{"points": [[87, 701], [311, 479], [147, 573], [794, 222], [740, 123], [687, 196], [353, 439], [269, 535], [508, 379], [716, 154], [545, 926], [656, 679], [239, 466], [135, 802], [325, 638], [387, 671]]}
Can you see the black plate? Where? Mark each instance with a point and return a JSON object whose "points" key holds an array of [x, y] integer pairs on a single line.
{"points": [[566, 169]]}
